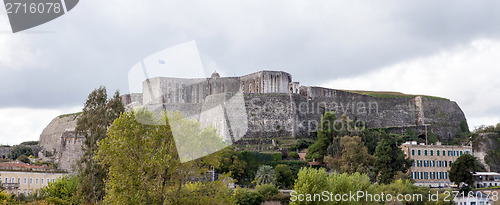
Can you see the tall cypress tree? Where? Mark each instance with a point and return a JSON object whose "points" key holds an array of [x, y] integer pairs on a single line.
{"points": [[390, 159], [98, 114]]}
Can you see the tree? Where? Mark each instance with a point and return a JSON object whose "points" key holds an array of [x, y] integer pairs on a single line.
{"points": [[265, 175], [462, 169], [98, 114], [315, 181], [326, 134], [19, 150], [293, 155], [61, 191], [232, 163], [144, 167], [284, 176], [390, 158], [243, 196], [355, 157], [329, 134]]}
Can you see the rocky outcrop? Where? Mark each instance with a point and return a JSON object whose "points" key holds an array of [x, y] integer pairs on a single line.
{"points": [[486, 147], [59, 143]]}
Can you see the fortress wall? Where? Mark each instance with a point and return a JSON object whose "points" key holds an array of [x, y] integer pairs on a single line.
{"points": [[266, 82], [70, 151], [4, 152], [51, 136], [444, 116], [151, 90]]}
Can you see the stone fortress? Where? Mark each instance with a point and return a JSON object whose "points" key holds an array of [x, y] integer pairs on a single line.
{"points": [[265, 105]]}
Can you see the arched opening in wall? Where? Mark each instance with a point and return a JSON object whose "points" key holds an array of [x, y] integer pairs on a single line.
{"points": [[3, 156], [421, 138]]}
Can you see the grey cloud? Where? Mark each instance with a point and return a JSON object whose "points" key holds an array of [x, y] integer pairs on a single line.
{"points": [[96, 45]]}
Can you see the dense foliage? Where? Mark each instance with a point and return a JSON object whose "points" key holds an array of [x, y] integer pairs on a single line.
{"points": [[144, 167], [98, 114], [390, 159], [462, 169]]}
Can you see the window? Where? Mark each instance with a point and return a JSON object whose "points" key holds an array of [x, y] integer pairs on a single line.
{"points": [[418, 152], [48, 180], [445, 175], [432, 152], [6, 180], [439, 175], [419, 175], [444, 153], [12, 180], [426, 175], [31, 180], [460, 153], [42, 180], [449, 163], [53, 180], [425, 152], [450, 153], [438, 163], [36, 181], [25, 180], [467, 152], [456, 153], [412, 152], [445, 164], [437, 152], [19, 180]]}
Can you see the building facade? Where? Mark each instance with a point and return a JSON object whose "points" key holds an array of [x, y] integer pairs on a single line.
{"points": [[486, 179], [431, 163], [20, 178]]}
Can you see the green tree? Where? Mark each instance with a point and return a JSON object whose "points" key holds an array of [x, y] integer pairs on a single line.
{"points": [[265, 175], [461, 170], [19, 150], [144, 167], [24, 158], [293, 155], [267, 190], [98, 114], [232, 163], [244, 196], [326, 134], [62, 191], [390, 159], [355, 157], [284, 176], [315, 181]]}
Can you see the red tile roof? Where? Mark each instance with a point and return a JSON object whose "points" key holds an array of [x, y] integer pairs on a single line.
{"points": [[19, 165]]}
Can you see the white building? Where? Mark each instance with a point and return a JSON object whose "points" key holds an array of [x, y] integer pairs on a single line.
{"points": [[486, 179]]}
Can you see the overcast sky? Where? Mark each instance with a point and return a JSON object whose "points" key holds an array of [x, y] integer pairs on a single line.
{"points": [[444, 48]]}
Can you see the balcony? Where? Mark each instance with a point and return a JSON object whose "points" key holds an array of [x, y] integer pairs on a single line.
{"points": [[10, 186]]}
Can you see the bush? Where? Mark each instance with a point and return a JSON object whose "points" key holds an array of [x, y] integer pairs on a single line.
{"points": [[267, 190], [301, 144], [243, 196], [284, 176], [24, 158], [293, 155], [19, 150]]}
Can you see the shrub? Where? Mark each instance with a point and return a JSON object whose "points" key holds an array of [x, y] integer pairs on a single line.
{"points": [[243, 196], [266, 190], [24, 158], [293, 155]]}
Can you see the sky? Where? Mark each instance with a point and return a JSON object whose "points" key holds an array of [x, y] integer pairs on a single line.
{"points": [[443, 48]]}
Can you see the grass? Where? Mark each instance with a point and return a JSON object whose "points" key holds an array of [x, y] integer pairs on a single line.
{"points": [[389, 94], [70, 115]]}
